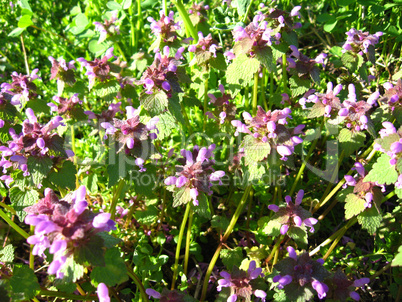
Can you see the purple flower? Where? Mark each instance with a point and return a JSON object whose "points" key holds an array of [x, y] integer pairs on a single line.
{"points": [[358, 41], [241, 283], [107, 28], [103, 293], [165, 28]]}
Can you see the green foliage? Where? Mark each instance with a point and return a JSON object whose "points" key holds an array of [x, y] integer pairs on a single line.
{"points": [[114, 272], [254, 149], [382, 172], [241, 71], [354, 205], [64, 177], [350, 141], [7, 254], [38, 168], [91, 252], [23, 284], [22, 199], [155, 103], [231, 258]]}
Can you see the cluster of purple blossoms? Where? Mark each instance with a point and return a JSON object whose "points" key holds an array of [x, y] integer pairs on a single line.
{"points": [[282, 20], [107, 27], [198, 9], [169, 295], [131, 133], [65, 106], [303, 65], [359, 41], [195, 174], [293, 215], [393, 94], [35, 140], [62, 71], [269, 127], [166, 27], [341, 287], [299, 272], [22, 88], [106, 115], [162, 73], [241, 283], [364, 189], [99, 68], [206, 45], [63, 226], [224, 109]]}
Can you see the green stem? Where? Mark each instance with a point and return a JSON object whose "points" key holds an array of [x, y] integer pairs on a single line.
{"points": [[303, 166], [247, 12], [50, 293], [205, 103], [178, 247], [8, 208], [246, 99], [117, 45], [229, 230], [255, 93], [263, 99], [186, 119], [77, 183], [25, 55], [139, 23], [165, 7], [271, 90], [188, 241], [284, 73], [132, 26], [186, 19], [13, 225], [31, 256], [116, 196], [139, 284], [276, 246]]}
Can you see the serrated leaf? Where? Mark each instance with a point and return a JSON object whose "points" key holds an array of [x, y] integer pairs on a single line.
{"points": [[232, 257], [64, 177], [382, 171], [273, 228], [299, 235], [255, 172], [22, 199], [181, 196], [387, 141], [8, 112], [72, 271], [350, 141], [147, 216], [265, 56], [398, 258], [255, 150], [38, 168], [370, 219], [354, 205], [298, 85], [242, 70], [114, 272], [155, 103], [219, 222], [91, 252], [107, 90], [145, 182], [317, 110], [351, 61], [242, 6], [218, 62], [109, 240], [91, 182], [203, 208], [165, 125], [24, 284], [7, 254]]}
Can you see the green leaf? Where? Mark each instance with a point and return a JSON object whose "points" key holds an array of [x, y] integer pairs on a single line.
{"points": [[242, 6], [91, 252], [255, 173], [155, 103], [109, 240], [147, 216], [351, 61], [354, 205], [81, 20], [317, 110], [91, 182], [65, 176], [25, 4], [370, 219], [8, 112], [112, 5], [7, 254], [24, 284], [350, 141], [203, 208], [114, 272], [219, 222], [107, 90], [298, 85], [38, 168], [398, 258], [254, 150], [126, 4], [232, 257], [242, 70], [22, 199], [265, 56], [165, 125], [218, 62], [181, 196], [382, 171], [72, 271], [25, 21], [330, 25], [16, 32], [145, 182], [273, 228], [299, 235]]}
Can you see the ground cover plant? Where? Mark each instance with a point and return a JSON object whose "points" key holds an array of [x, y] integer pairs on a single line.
{"points": [[200, 151]]}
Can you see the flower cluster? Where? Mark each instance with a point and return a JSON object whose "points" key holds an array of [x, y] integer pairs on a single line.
{"points": [[224, 109], [300, 273], [303, 65], [241, 283], [365, 190], [131, 133], [281, 20], [62, 71], [169, 295], [166, 27], [161, 75], [195, 174], [63, 226], [198, 13], [341, 287], [269, 127], [107, 27], [206, 46], [106, 115], [393, 94], [100, 69], [292, 215], [359, 41], [65, 106], [22, 88], [35, 140]]}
